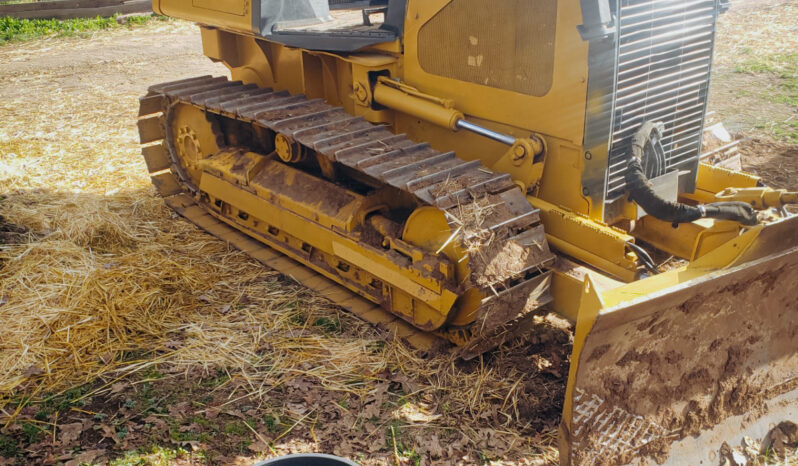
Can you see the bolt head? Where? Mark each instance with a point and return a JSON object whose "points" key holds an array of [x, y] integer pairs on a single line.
{"points": [[360, 93]]}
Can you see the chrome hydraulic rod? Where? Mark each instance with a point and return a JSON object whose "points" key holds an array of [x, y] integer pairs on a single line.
{"points": [[488, 133], [441, 112]]}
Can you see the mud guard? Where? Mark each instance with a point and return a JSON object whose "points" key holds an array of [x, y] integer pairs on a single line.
{"points": [[667, 369]]}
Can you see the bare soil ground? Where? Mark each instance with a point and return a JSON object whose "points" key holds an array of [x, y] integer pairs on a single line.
{"points": [[130, 337], [755, 85]]}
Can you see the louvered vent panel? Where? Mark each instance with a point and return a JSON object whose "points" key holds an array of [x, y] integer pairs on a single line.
{"points": [[664, 60]]}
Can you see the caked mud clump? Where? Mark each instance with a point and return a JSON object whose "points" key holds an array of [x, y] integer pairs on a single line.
{"points": [[498, 254]]}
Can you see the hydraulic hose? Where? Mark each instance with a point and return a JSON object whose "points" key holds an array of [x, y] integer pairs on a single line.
{"points": [[643, 194]]}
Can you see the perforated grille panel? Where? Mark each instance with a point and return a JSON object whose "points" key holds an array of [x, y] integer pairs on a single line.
{"points": [[664, 60], [506, 44]]}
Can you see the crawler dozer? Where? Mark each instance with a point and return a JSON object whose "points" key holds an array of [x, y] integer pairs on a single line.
{"points": [[450, 169]]}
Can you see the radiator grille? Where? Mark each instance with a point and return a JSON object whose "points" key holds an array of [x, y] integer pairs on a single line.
{"points": [[664, 59]]}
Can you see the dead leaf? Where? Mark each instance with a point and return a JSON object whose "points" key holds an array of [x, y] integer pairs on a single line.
{"points": [[430, 444], [370, 411], [49, 458], [85, 457], [109, 432], [191, 428], [224, 309], [343, 450], [235, 413], [259, 447], [32, 370], [409, 386], [454, 447], [118, 387], [70, 432], [195, 446], [40, 449], [179, 409], [157, 422], [300, 384], [379, 442], [496, 441]]}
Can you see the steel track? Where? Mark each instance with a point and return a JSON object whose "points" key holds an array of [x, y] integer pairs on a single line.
{"points": [[433, 178]]}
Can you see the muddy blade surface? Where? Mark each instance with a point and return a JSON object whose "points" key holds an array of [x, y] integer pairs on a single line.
{"points": [[671, 377]]}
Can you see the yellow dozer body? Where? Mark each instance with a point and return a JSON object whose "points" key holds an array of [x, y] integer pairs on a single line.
{"points": [[450, 169]]}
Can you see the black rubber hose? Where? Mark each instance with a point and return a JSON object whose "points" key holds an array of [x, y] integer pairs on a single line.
{"points": [[674, 212]]}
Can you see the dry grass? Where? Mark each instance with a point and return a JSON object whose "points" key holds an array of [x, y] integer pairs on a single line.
{"points": [[755, 80], [107, 283], [756, 26]]}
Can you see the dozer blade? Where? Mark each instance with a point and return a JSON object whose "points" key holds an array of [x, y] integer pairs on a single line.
{"points": [[668, 369]]}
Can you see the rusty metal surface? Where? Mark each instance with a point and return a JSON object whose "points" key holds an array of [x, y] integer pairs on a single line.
{"points": [[673, 375]]}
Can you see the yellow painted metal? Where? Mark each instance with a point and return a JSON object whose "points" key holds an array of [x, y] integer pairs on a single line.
{"points": [[345, 80], [234, 165], [232, 14], [561, 183], [288, 149], [301, 215], [426, 105], [687, 240], [712, 295], [410, 101], [566, 290], [520, 161], [759, 198], [524, 162], [567, 285], [590, 304], [713, 179], [559, 113], [413, 92], [194, 139], [718, 259], [577, 235], [428, 229]]}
